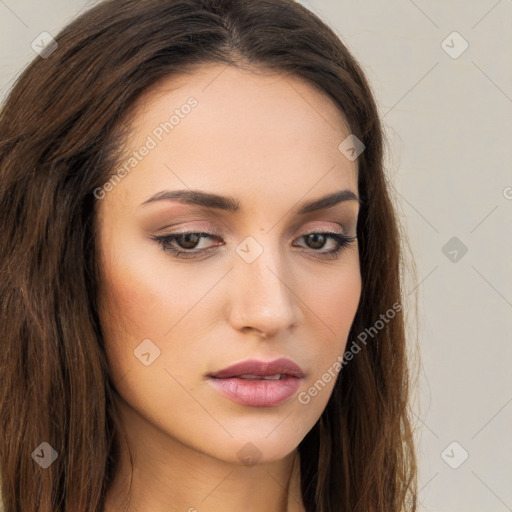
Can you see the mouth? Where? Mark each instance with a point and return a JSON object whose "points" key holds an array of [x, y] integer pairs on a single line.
{"points": [[254, 369], [258, 383], [278, 376]]}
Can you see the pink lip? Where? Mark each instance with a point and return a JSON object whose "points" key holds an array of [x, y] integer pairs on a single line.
{"points": [[261, 368], [258, 393]]}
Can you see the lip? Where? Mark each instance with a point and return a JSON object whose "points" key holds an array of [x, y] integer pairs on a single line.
{"points": [[261, 368], [258, 392]]}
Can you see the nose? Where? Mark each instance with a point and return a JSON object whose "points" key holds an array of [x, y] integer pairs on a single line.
{"points": [[264, 298]]}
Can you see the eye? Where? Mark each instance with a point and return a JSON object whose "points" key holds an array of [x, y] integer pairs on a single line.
{"points": [[318, 240], [187, 243]]}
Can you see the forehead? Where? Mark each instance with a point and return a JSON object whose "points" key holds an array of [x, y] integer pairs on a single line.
{"points": [[247, 130]]}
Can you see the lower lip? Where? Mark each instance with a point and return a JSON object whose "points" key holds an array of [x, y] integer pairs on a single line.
{"points": [[257, 393]]}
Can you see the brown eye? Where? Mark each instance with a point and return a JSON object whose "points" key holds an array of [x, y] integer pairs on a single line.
{"points": [[182, 245], [316, 240], [189, 240]]}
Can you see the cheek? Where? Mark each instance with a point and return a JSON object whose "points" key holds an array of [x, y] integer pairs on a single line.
{"points": [[334, 305], [136, 303], [145, 292], [341, 302], [146, 297], [334, 297], [333, 302]]}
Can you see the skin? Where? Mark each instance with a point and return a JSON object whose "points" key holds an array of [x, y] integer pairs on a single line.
{"points": [[271, 141]]}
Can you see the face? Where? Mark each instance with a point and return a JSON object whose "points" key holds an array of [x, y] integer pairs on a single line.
{"points": [[194, 284]]}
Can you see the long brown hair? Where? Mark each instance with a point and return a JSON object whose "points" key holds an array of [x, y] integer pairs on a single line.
{"points": [[61, 128]]}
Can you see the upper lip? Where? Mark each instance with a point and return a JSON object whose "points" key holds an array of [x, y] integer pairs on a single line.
{"points": [[260, 368]]}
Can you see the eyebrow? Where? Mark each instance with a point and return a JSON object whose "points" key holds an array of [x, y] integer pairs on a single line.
{"points": [[230, 204]]}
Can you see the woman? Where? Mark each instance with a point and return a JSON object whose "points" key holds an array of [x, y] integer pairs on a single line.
{"points": [[201, 305]]}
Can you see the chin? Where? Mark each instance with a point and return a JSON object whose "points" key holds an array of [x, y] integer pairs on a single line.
{"points": [[265, 441]]}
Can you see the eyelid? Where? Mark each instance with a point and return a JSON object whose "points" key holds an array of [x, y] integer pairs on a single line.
{"points": [[322, 230], [211, 229], [206, 229]]}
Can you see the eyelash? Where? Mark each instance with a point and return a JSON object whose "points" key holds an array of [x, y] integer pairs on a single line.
{"points": [[164, 241]]}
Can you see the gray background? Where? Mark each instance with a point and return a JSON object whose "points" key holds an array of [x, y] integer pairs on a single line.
{"points": [[448, 120]]}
